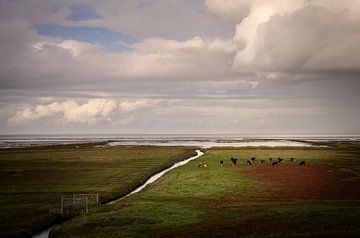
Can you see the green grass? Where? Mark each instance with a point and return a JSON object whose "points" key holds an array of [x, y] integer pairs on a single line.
{"points": [[228, 202], [34, 179]]}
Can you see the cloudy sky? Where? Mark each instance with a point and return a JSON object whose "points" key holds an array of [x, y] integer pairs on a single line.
{"points": [[189, 66]]}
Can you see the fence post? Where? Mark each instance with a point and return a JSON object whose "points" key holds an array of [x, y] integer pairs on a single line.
{"points": [[86, 205], [61, 208], [97, 198]]}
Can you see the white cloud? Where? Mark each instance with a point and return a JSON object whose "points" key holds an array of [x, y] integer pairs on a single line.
{"points": [[61, 61], [24, 114], [298, 36], [132, 105], [90, 112], [193, 58], [69, 111], [77, 48]]}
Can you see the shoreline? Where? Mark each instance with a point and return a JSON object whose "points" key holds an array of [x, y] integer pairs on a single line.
{"points": [[193, 141]]}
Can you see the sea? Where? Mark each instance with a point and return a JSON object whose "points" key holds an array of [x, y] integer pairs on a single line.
{"points": [[202, 140]]}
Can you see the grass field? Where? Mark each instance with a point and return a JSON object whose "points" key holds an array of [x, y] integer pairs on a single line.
{"points": [[32, 180], [320, 199]]}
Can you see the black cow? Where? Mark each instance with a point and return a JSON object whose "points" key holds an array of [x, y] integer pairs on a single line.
{"points": [[274, 163], [280, 160], [292, 160], [221, 163], [234, 161], [302, 163], [253, 159], [249, 162]]}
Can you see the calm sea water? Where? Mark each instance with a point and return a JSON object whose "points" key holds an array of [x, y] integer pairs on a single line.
{"points": [[14, 141]]}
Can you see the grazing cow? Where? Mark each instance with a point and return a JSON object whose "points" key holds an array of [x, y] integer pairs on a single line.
{"points": [[234, 161], [262, 161], [302, 163], [280, 160], [221, 163], [253, 159], [202, 165], [292, 160], [249, 162], [274, 163]]}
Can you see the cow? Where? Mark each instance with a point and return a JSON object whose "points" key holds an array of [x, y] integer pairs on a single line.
{"points": [[262, 161], [274, 163], [302, 163], [202, 165], [221, 163], [249, 162], [270, 159], [253, 159], [234, 161], [280, 160], [292, 160]]}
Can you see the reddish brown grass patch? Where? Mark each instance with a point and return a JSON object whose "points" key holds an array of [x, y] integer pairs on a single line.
{"points": [[313, 181]]}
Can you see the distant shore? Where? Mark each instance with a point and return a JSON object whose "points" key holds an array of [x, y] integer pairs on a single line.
{"points": [[205, 141]]}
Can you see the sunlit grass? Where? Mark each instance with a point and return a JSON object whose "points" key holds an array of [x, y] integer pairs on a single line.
{"points": [[225, 202]]}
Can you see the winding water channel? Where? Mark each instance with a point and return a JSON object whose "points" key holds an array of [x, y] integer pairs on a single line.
{"points": [[45, 232]]}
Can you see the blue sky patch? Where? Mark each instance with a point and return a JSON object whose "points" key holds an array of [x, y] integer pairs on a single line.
{"points": [[81, 12], [110, 40]]}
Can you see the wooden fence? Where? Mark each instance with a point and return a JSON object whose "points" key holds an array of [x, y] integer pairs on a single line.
{"points": [[78, 203]]}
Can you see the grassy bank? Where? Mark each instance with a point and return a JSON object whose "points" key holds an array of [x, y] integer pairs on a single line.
{"points": [[32, 180], [320, 199]]}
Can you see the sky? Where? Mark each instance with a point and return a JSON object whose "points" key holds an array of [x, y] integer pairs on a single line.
{"points": [[190, 67]]}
